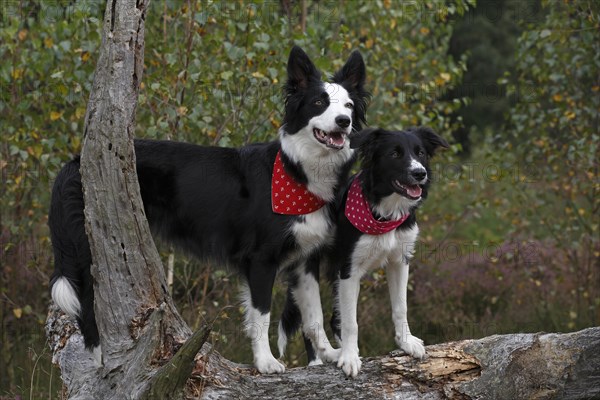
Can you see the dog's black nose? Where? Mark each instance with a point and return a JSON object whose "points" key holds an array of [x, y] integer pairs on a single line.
{"points": [[342, 121], [419, 174]]}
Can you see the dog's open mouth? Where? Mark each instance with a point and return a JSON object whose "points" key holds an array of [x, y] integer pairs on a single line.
{"points": [[334, 140], [412, 192]]}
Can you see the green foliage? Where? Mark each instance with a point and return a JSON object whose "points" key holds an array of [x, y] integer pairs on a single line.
{"points": [[487, 34], [555, 133], [214, 70], [213, 75], [555, 125], [533, 183], [45, 80], [45, 75]]}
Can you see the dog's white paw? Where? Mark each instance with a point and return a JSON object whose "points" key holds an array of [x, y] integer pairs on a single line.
{"points": [[330, 354], [269, 365], [97, 356], [315, 362], [411, 345], [350, 363]]}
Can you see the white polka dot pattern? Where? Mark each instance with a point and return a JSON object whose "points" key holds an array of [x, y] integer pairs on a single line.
{"points": [[288, 196], [359, 213]]}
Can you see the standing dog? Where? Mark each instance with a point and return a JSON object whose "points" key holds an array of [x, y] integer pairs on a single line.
{"points": [[376, 226], [259, 208]]}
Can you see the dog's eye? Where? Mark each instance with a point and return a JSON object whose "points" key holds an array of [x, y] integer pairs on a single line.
{"points": [[349, 105], [395, 154], [421, 153], [318, 102]]}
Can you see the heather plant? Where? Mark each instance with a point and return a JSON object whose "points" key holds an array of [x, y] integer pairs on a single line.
{"points": [[517, 286], [555, 131], [524, 207]]}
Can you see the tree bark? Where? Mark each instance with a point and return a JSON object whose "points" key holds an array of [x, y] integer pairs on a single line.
{"points": [[516, 366], [149, 352], [139, 327]]}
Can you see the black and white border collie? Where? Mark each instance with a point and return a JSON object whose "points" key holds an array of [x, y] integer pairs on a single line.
{"points": [[218, 202], [376, 226]]}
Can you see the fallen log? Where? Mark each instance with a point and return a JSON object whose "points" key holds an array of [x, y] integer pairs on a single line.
{"points": [[514, 366]]}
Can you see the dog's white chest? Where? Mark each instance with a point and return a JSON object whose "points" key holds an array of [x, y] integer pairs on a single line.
{"points": [[314, 231], [374, 251]]}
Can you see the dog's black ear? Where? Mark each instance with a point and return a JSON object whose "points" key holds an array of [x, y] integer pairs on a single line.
{"points": [[301, 70], [430, 139], [353, 73], [364, 137], [352, 76]]}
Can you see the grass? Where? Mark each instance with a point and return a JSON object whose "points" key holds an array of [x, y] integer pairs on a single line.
{"points": [[31, 372]]}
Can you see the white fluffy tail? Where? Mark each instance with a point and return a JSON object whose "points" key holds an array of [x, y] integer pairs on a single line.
{"points": [[281, 340], [65, 297]]}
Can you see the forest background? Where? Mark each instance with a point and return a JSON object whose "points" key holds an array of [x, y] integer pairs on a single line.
{"points": [[510, 233]]}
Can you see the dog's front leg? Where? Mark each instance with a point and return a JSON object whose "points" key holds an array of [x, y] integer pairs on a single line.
{"points": [[397, 275], [307, 297], [348, 291], [257, 299]]}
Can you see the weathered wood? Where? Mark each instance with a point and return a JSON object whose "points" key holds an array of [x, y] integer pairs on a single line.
{"points": [[139, 326], [517, 366], [171, 377]]}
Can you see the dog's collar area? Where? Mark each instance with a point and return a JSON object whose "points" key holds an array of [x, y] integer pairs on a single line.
{"points": [[359, 213], [378, 217], [288, 196]]}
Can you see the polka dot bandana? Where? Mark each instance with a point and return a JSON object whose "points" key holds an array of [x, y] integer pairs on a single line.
{"points": [[359, 213], [290, 197]]}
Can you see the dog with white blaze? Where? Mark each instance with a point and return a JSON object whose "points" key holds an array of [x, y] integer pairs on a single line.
{"points": [[376, 226], [259, 209]]}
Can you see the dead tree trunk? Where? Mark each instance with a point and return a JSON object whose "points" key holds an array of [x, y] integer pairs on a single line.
{"points": [[140, 329], [517, 366]]}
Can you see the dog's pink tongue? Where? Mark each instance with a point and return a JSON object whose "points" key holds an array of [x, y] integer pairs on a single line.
{"points": [[336, 139], [414, 191]]}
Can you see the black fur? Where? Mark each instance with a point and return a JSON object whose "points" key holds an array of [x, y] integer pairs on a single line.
{"points": [[72, 257], [211, 202], [379, 168], [385, 156], [302, 89]]}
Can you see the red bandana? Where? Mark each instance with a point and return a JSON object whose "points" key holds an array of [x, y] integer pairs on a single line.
{"points": [[290, 197], [359, 213]]}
